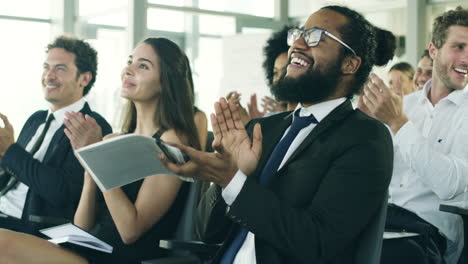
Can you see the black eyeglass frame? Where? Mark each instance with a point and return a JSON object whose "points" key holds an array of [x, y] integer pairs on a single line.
{"points": [[306, 33]]}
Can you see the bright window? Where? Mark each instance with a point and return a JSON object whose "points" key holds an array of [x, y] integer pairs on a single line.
{"points": [[22, 55], [26, 8]]}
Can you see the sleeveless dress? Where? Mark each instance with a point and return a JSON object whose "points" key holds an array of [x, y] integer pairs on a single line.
{"points": [[146, 247]]}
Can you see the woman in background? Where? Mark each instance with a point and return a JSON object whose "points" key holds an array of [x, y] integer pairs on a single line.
{"points": [[404, 72]]}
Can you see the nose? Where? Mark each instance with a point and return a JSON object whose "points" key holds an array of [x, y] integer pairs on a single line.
{"points": [[127, 70], [299, 43], [49, 74]]}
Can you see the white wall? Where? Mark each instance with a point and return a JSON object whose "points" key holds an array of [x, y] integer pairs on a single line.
{"points": [[242, 66]]}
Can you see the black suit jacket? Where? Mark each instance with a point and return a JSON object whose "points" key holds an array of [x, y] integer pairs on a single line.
{"points": [[55, 183], [316, 206]]}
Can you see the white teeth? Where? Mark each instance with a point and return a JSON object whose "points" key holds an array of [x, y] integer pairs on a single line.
{"points": [[463, 71], [51, 86], [299, 61]]}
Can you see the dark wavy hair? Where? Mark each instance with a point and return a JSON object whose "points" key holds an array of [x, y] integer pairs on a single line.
{"points": [[85, 56], [275, 46], [373, 45], [175, 106], [457, 17]]}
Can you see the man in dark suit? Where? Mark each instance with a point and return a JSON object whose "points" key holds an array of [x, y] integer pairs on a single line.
{"points": [[309, 182], [43, 179]]}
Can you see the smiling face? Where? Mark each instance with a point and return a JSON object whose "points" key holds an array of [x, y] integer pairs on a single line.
{"points": [[423, 73], [141, 77], [62, 83], [326, 53], [451, 60], [313, 73]]}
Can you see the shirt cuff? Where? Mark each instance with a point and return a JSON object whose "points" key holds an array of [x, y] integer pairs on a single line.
{"points": [[234, 187]]}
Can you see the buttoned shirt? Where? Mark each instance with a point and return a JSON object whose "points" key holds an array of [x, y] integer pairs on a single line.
{"points": [[12, 203], [246, 253], [431, 161]]}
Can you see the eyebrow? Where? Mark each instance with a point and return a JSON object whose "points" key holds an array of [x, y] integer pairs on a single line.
{"points": [[142, 59], [55, 65]]}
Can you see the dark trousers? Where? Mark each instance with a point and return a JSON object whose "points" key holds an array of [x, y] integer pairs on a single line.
{"points": [[427, 248]]}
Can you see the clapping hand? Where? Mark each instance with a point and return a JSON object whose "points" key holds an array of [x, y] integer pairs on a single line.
{"points": [[6, 135], [82, 130], [384, 103], [254, 112], [234, 149], [235, 98], [270, 105], [231, 137]]}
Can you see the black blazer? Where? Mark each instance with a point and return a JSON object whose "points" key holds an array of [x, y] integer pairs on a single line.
{"points": [[314, 209], [55, 183]]}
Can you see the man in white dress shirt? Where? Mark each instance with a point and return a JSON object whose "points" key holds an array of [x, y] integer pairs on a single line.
{"points": [[430, 129]]}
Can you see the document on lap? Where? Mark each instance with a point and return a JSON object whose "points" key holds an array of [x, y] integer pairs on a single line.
{"points": [[122, 160], [72, 234]]}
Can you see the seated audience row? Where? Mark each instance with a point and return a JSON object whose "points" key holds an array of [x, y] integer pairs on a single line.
{"points": [[300, 186]]}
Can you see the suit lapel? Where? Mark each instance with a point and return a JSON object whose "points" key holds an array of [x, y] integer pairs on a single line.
{"points": [[30, 129], [335, 116], [60, 139], [277, 131]]}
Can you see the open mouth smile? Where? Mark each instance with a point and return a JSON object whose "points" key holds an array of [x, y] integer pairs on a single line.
{"points": [[460, 70]]}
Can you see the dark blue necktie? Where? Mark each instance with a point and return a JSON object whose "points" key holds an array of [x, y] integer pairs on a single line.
{"points": [[268, 171]]}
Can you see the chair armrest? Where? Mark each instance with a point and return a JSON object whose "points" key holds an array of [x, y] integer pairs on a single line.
{"points": [[196, 247], [48, 220]]}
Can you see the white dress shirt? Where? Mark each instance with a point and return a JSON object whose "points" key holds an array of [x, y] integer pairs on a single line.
{"points": [[431, 161], [246, 253], [12, 203]]}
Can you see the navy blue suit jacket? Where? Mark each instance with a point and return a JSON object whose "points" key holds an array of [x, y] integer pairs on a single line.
{"points": [[55, 183]]}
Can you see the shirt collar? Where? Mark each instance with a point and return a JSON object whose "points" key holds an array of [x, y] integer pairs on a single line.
{"points": [[425, 91], [321, 110], [456, 97], [59, 115]]}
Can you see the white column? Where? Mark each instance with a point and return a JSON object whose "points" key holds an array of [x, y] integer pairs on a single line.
{"points": [[137, 23], [415, 30], [64, 13]]}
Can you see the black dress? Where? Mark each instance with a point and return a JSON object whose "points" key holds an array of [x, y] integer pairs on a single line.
{"points": [[146, 247]]}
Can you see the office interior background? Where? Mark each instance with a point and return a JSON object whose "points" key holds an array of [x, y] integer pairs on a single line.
{"points": [[222, 38]]}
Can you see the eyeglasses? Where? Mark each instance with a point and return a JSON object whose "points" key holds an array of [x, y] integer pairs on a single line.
{"points": [[312, 37]]}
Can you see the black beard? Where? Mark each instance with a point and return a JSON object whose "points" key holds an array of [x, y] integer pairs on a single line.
{"points": [[311, 87]]}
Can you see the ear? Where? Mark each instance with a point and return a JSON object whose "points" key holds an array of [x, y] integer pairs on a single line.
{"points": [[86, 78], [432, 50], [350, 64]]}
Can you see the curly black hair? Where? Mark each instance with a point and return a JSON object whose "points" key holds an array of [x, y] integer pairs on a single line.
{"points": [[85, 56], [373, 45], [275, 46]]}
